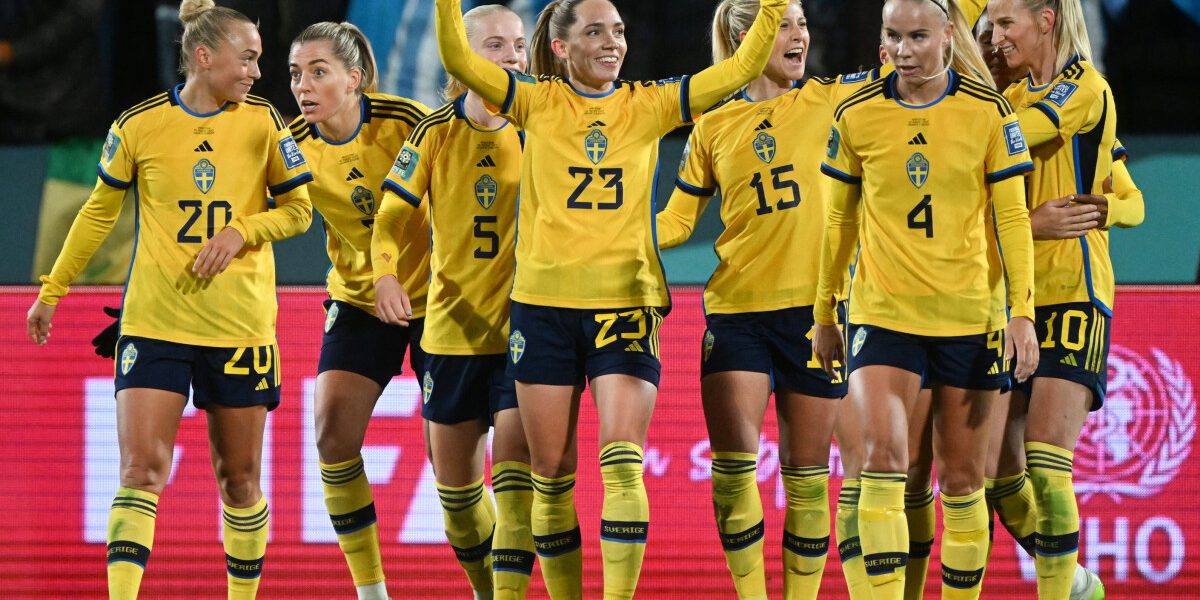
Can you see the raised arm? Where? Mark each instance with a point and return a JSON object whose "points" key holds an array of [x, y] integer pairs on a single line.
{"points": [[479, 74], [713, 84]]}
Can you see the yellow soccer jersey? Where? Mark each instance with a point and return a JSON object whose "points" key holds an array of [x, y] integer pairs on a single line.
{"points": [[586, 232], [927, 174], [764, 158], [193, 175], [471, 177], [1075, 159], [348, 177]]}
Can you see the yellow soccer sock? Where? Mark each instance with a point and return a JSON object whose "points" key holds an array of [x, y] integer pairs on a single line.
{"points": [[512, 548], [884, 532], [921, 515], [739, 513], [624, 518], [964, 544], [849, 543], [1013, 501], [245, 547], [470, 519], [805, 530], [130, 538], [1057, 537], [556, 540], [352, 511]]}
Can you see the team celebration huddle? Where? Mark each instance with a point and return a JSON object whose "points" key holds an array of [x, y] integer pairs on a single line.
{"points": [[914, 261]]}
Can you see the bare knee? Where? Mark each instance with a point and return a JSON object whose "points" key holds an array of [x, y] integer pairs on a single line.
{"points": [[240, 487], [146, 475], [885, 457], [553, 466], [960, 482], [335, 445]]}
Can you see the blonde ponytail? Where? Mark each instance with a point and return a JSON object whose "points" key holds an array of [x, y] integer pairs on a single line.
{"points": [[203, 25], [964, 55]]}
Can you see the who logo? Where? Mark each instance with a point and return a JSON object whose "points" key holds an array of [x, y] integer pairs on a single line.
{"points": [[1136, 444]]}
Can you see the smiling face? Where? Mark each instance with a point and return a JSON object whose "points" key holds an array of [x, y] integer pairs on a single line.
{"points": [[790, 54], [232, 67], [1021, 36], [997, 66], [500, 38], [594, 48], [915, 38], [321, 84]]}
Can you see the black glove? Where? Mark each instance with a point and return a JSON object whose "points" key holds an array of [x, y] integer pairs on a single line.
{"points": [[106, 341]]}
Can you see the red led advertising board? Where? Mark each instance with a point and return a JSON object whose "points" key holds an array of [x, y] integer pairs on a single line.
{"points": [[1136, 471]]}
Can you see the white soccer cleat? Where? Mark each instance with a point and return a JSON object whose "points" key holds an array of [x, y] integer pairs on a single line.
{"points": [[1086, 585]]}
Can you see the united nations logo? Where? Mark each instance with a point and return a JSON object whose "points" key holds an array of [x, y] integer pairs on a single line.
{"points": [[331, 316], [516, 346], [427, 386], [363, 199], [485, 191], [918, 169], [595, 145], [764, 147], [1137, 444], [128, 357], [205, 175], [859, 338], [709, 340]]}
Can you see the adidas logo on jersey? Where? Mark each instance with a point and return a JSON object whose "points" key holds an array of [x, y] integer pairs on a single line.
{"points": [[262, 385], [766, 124], [918, 141], [204, 147], [486, 162], [1069, 360], [354, 174], [597, 124], [994, 370]]}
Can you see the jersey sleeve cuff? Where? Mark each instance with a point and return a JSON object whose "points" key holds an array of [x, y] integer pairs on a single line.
{"points": [[51, 292], [840, 176], [1049, 112], [1012, 171], [280, 189], [693, 189], [685, 106], [511, 96], [404, 194], [109, 180], [1119, 153]]}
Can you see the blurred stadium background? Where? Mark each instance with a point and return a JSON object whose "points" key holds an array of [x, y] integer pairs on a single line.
{"points": [[68, 67]]}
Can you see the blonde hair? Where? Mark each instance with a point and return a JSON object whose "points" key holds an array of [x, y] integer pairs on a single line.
{"points": [[553, 23], [731, 18], [962, 54], [204, 24], [471, 21], [1070, 29], [350, 46]]}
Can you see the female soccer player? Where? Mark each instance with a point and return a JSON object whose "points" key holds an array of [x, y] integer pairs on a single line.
{"points": [[1069, 116], [761, 150], [199, 306], [467, 162], [925, 303], [350, 135], [589, 292]]}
